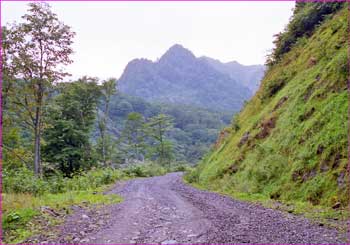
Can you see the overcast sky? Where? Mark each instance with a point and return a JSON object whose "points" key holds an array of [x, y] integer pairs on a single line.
{"points": [[110, 34]]}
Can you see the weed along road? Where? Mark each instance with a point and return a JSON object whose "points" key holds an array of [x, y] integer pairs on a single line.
{"points": [[164, 210]]}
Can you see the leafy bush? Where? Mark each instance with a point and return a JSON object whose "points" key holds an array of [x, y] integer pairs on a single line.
{"points": [[306, 17], [179, 167], [23, 181], [192, 176], [145, 170]]}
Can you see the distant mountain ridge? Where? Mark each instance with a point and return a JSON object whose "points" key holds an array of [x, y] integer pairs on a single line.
{"points": [[249, 75], [182, 78]]}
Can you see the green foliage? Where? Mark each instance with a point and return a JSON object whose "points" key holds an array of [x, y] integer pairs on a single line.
{"points": [[23, 216], [302, 157], [23, 181], [33, 55], [156, 128], [306, 17], [145, 170], [24, 194], [71, 117], [133, 137], [14, 224], [105, 142], [150, 169], [235, 124], [192, 176], [194, 130]]}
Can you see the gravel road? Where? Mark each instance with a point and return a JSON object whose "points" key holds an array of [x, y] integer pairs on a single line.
{"points": [[164, 210]]}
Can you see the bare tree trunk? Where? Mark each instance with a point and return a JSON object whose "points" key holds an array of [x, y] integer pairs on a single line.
{"points": [[37, 129], [103, 132], [37, 134], [161, 144], [103, 146]]}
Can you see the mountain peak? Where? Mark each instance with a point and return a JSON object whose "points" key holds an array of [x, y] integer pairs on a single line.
{"points": [[177, 53], [177, 46]]}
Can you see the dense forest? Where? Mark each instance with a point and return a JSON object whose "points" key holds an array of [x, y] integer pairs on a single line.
{"points": [[193, 131], [289, 143]]}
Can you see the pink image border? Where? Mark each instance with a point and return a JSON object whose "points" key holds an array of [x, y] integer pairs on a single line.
{"points": [[1, 78]]}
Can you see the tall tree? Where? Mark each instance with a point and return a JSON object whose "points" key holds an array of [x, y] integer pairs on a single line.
{"points": [[108, 88], [134, 135], [71, 118], [35, 52], [157, 127]]}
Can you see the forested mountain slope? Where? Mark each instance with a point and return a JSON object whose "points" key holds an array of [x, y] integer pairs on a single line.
{"points": [[290, 141], [179, 77], [193, 132]]}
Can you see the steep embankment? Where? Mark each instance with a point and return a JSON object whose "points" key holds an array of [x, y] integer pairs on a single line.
{"points": [[289, 142]]}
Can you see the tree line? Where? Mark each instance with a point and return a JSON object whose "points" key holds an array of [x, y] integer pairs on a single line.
{"points": [[48, 124]]}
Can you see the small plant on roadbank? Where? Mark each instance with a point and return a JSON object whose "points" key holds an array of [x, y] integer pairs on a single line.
{"points": [[30, 203]]}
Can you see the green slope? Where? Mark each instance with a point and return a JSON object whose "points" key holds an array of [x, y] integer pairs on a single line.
{"points": [[290, 141]]}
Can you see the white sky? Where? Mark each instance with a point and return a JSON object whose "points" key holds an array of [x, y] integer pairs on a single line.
{"points": [[110, 34]]}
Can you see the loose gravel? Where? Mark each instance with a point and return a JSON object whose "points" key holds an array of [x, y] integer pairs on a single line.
{"points": [[164, 210]]}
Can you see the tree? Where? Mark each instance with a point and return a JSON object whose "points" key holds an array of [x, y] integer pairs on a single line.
{"points": [[123, 108], [134, 135], [157, 127], [306, 17], [108, 88], [35, 52], [71, 117]]}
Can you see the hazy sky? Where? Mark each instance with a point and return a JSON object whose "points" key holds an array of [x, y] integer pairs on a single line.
{"points": [[110, 34]]}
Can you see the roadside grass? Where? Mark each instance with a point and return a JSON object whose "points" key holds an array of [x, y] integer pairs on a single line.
{"points": [[321, 215], [154, 169], [30, 204], [23, 216]]}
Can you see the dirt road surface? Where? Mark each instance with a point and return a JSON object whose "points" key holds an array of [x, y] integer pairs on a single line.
{"points": [[164, 210]]}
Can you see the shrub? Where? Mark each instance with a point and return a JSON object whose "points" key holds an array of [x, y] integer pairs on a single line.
{"points": [[145, 170], [192, 176], [23, 181], [306, 17]]}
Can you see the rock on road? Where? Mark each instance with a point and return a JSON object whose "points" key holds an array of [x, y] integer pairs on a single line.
{"points": [[164, 210]]}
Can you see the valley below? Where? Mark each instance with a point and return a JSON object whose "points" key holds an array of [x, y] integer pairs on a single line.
{"points": [[165, 210]]}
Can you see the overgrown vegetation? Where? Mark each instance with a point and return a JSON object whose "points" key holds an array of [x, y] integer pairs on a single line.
{"points": [[306, 17], [289, 143], [28, 199]]}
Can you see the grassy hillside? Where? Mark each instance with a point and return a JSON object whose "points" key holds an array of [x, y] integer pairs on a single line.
{"points": [[290, 141]]}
